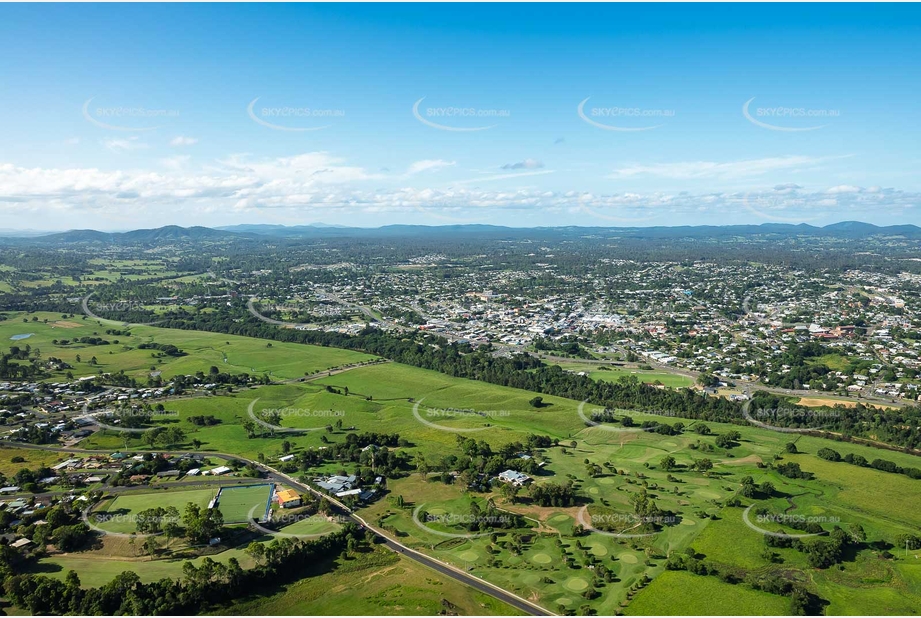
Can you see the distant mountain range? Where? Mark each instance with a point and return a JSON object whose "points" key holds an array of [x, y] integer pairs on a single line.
{"points": [[175, 233]]}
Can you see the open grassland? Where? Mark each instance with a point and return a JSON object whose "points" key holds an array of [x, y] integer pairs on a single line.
{"points": [[682, 594], [229, 353], [32, 459], [96, 569], [613, 373], [373, 583]]}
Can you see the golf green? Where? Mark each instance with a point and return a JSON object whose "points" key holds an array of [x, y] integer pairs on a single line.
{"points": [[576, 584]]}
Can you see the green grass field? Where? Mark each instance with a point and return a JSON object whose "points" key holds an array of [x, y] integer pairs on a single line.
{"points": [[97, 570], [683, 594], [229, 353], [614, 373], [236, 503], [119, 515], [375, 583]]}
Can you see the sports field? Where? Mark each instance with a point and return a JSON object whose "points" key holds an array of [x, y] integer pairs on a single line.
{"points": [[236, 503], [121, 514]]}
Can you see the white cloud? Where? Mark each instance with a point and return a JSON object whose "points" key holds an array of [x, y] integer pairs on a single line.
{"points": [[844, 189], [308, 168], [527, 164], [316, 182], [501, 177], [176, 162], [121, 145], [72, 141], [428, 165], [691, 170], [182, 140]]}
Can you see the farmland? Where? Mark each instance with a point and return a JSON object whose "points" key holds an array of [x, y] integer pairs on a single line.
{"points": [[549, 556]]}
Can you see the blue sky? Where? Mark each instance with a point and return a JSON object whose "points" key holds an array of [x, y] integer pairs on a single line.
{"points": [[126, 116]]}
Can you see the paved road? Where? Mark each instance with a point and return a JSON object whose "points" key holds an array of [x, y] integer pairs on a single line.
{"points": [[445, 569]]}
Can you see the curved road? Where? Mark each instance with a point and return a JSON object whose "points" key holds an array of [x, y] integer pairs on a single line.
{"points": [[448, 570], [89, 313]]}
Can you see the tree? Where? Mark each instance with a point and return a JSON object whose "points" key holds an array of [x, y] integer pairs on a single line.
{"points": [[151, 546], [536, 402], [703, 465], [171, 528], [668, 463], [256, 551], [151, 436], [509, 491]]}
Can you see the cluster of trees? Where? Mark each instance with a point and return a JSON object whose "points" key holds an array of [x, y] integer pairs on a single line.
{"points": [[166, 348], [478, 461], [149, 465], [163, 436], [28, 479], [201, 525], [204, 420], [883, 465], [200, 590], [84, 340], [379, 460], [31, 369], [60, 526], [802, 602], [750, 489], [821, 553], [553, 494], [566, 346], [900, 427], [801, 370], [792, 470]]}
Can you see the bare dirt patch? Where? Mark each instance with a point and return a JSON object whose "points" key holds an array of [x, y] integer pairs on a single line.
{"points": [[814, 402]]}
